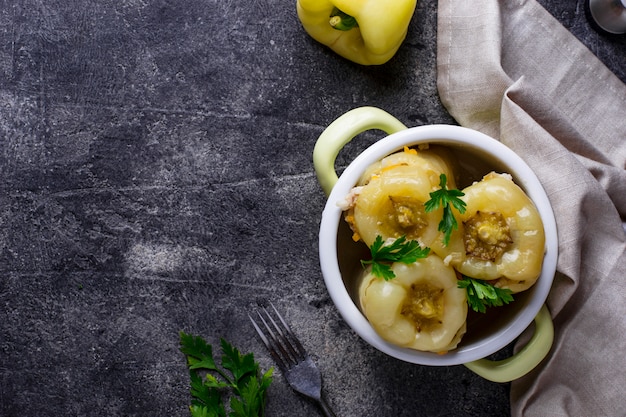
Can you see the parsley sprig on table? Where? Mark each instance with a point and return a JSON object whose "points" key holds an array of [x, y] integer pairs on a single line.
{"points": [[446, 198], [238, 373], [401, 250], [481, 294]]}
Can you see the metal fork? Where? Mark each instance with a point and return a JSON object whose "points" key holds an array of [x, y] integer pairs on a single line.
{"points": [[296, 365]]}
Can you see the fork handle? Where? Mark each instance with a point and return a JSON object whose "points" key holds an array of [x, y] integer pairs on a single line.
{"points": [[325, 408]]}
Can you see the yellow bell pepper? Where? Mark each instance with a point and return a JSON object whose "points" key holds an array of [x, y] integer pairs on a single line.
{"points": [[368, 32]]}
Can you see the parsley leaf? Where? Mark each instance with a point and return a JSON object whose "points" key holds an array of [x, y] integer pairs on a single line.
{"points": [[199, 353], [400, 250], [481, 294], [446, 198], [238, 373], [242, 367]]}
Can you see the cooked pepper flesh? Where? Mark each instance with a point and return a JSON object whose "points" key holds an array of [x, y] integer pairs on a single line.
{"points": [[519, 265], [391, 195], [422, 308]]}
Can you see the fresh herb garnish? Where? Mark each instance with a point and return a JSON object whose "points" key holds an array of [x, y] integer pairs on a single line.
{"points": [[247, 385], [401, 250], [446, 198], [481, 294]]}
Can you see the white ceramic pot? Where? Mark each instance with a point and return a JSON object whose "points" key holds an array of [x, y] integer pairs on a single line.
{"points": [[340, 256]]}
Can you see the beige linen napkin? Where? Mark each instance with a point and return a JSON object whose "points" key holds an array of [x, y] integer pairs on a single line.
{"points": [[512, 71]]}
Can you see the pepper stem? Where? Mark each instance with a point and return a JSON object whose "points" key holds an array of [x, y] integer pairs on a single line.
{"points": [[342, 21]]}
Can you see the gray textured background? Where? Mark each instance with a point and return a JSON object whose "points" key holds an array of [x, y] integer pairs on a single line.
{"points": [[156, 176]]}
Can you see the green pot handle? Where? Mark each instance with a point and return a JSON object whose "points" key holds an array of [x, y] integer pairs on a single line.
{"points": [[342, 131], [523, 361]]}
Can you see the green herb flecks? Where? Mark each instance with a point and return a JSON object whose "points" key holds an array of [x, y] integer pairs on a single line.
{"points": [[447, 199], [239, 374], [401, 250], [481, 294]]}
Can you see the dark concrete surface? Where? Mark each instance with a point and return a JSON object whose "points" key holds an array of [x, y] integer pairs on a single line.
{"points": [[156, 176]]}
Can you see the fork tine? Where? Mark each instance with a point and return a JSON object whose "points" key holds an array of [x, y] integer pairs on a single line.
{"points": [[291, 344], [281, 342], [296, 345], [269, 340]]}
